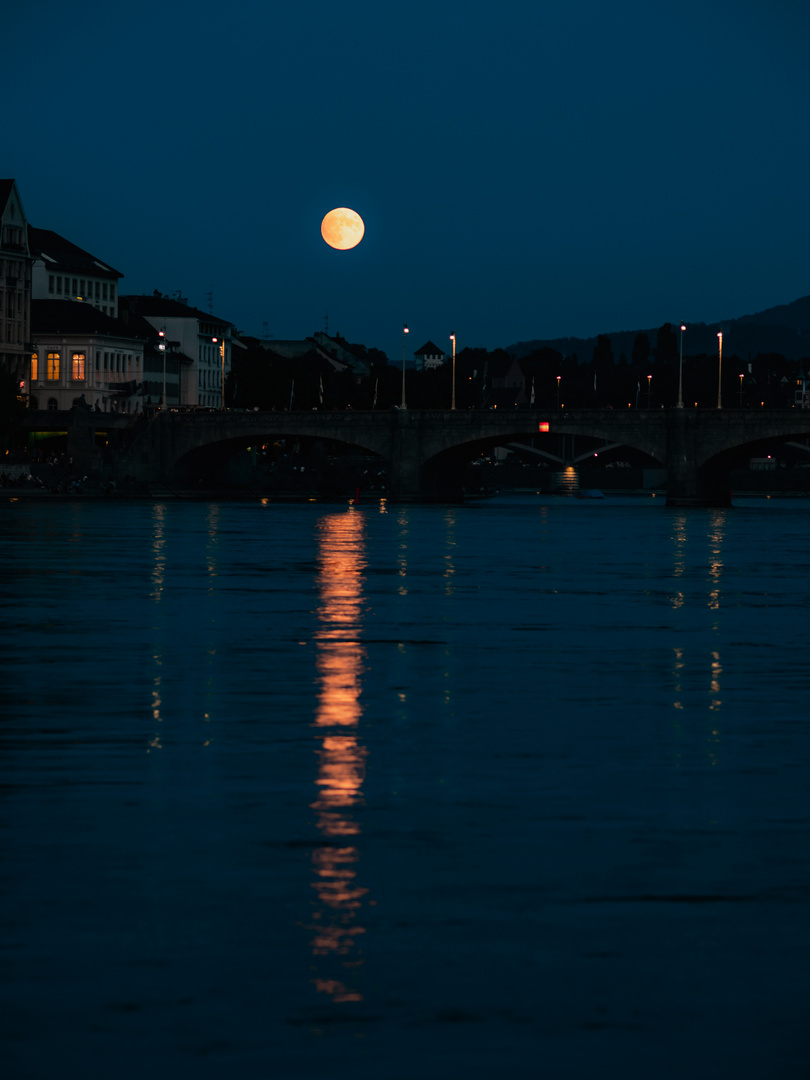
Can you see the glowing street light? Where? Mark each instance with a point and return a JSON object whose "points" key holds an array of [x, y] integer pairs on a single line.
{"points": [[649, 391], [720, 369], [741, 382], [680, 372], [453, 393], [558, 390], [405, 332]]}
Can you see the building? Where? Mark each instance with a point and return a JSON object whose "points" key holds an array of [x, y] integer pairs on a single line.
{"points": [[82, 356], [63, 271], [429, 356], [202, 342], [15, 285]]}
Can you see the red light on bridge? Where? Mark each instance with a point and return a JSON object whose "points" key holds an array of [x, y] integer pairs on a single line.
{"points": [[543, 425]]}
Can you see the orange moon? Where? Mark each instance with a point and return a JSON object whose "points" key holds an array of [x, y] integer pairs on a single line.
{"points": [[342, 228]]}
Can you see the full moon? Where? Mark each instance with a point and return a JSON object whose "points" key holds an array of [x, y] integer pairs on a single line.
{"points": [[342, 228]]}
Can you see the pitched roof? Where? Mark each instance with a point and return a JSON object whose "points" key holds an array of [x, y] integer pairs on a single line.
{"points": [[167, 306], [429, 348], [75, 317], [5, 191], [59, 251]]}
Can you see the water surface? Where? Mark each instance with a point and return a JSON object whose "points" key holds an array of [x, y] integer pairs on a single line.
{"points": [[518, 787]]}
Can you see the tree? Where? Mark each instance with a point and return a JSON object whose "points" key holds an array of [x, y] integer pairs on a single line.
{"points": [[641, 350]]}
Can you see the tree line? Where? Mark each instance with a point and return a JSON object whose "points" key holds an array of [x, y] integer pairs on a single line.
{"points": [[544, 379]]}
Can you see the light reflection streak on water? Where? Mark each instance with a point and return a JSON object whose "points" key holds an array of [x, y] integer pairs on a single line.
{"points": [[211, 564], [680, 538], [158, 582], [341, 757], [450, 542], [212, 569], [716, 537], [402, 551]]}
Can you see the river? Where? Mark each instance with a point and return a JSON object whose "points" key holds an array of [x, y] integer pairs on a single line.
{"points": [[514, 788]]}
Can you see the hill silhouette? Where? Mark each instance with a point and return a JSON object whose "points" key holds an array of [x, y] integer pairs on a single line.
{"points": [[784, 329]]}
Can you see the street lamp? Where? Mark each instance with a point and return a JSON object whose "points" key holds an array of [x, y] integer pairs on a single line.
{"points": [[405, 332], [453, 394], [720, 370], [162, 347], [741, 382], [222, 376], [649, 391], [558, 390], [680, 373]]}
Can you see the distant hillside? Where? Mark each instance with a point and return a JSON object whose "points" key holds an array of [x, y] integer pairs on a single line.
{"points": [[784, 329]]}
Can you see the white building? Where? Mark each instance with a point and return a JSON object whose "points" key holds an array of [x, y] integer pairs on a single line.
{"points": [[63, 271], [81, 354], [204, 340], [429, 356]]}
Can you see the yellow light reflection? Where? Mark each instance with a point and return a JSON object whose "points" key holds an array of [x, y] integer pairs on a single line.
{"points": [[716, 538], [402, 553], [714, 686], [340, 664]]}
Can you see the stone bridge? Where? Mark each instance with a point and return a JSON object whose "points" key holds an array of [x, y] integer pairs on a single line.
{"points": [[424, 451]]}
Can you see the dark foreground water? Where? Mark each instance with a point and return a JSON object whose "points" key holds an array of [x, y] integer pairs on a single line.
{"points": [[514, 789]]}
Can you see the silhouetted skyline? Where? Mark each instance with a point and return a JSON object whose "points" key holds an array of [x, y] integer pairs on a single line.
{"points": [[523, 173]]}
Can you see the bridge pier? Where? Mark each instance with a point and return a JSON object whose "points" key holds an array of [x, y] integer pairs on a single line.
{"points": [[689, 484], [410, 479]]}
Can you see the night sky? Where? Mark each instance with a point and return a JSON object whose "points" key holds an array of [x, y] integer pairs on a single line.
{"points": [[525, 170]]}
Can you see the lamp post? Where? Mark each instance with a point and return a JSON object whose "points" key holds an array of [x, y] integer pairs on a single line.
{"points": [[162, 347], [453, 393], [741, 382], [405, 333], [649, 391], [558, 390], [222, 376], [720, 370], [680, 372]]}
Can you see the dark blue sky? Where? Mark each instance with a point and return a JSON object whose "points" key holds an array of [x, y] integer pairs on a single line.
{"points": [[524, 169]]}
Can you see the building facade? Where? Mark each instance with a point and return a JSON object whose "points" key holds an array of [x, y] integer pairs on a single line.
{"points": [[15, 286], [201, 340], [81, 356], [429, 356], [63, 271]]}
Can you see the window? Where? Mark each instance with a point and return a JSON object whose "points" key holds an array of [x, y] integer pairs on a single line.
{"points": [[97, 291], [104, 290], [77, 370], [81, 286], [59, 284], [112, 290], [53, 404], [75, 290], [34, 367], [53, 366], [50, 282]]}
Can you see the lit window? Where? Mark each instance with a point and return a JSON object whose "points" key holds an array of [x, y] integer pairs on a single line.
{"points": [[53, 366], [78, 365], [34, 367]]}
